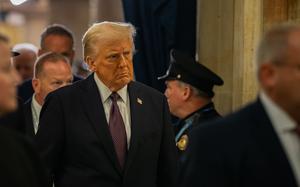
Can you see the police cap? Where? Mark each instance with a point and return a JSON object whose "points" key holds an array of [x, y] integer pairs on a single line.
{"points": [[184, 68]]}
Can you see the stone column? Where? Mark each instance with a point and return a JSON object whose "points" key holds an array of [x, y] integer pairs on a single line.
{"points": [[215, 45], [247, 32]]}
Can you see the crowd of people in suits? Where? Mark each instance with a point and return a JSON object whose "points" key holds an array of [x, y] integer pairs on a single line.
{"points": [[110, 130]]}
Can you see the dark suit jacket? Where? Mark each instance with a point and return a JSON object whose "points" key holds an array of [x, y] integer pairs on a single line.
{"points": [[75, 142], [14, 120], [239, 150], [25, 90], [20, 165], [29, 127]]}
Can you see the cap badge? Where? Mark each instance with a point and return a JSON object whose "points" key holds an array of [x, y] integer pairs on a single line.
{"points": [[183, 142]]}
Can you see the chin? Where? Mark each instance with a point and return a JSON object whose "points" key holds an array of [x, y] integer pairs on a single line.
{"points": [[125, 80], [9, 107], [120, 84]]}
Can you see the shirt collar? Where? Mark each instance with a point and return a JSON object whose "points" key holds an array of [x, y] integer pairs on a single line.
{"points": [[36, 105], [105, 92], [281, 120]]}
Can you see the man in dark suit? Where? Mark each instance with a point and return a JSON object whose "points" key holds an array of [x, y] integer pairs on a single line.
{"points": [[19, 163], [108, 130], [259, 144], [189, 93], [51, 71], [56, 38]]}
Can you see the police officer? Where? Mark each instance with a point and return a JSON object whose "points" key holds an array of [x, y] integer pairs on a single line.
{"points": [[189, 92]]}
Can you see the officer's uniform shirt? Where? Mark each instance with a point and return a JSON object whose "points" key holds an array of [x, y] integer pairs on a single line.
{"points": [[186, 69], [186, 125]]}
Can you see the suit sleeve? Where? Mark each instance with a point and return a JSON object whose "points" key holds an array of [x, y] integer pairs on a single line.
{"points": [[50, 136], [168, 160]]}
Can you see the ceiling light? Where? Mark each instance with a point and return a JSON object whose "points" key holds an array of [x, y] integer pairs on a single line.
{"points": [[17, 2]]}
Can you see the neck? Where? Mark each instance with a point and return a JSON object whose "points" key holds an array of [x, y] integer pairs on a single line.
{"points": [[39, 99], [192, 106]]}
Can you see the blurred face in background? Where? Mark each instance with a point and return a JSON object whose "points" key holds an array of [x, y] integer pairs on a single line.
{"points": [[59, 44], [24, 63], [8, 81], [281, 80], [54, 75]]}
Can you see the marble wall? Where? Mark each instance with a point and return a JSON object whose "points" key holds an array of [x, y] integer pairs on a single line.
{"points": [[228, 34]]}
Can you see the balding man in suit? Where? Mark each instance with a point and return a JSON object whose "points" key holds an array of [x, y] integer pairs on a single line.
{"points": [[258, 145]]}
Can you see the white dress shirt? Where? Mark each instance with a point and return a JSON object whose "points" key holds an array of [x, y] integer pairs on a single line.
{"points": [[284, 126], [35, 110], [123, 103]]}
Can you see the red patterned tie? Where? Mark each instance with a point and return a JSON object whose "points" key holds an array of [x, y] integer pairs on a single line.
{"points": [[117, 129]]}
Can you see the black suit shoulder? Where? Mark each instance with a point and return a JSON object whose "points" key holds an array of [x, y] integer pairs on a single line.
{"points": [[230, 135], [241, 149], [20, 164], [240, 120], [25, 90]]}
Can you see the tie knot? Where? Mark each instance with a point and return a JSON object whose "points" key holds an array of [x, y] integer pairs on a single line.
{"points": [[114, 96]]}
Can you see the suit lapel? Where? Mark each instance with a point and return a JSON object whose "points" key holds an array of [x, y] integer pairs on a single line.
{"points": [[28, 118], [93, 108], [136, 110], [270, 143]]}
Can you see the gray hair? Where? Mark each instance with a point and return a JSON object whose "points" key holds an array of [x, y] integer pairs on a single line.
{"points": [[274, 44], [196, 91]]}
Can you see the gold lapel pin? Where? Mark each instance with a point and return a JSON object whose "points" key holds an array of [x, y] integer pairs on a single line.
{"points": [[139, 101]]}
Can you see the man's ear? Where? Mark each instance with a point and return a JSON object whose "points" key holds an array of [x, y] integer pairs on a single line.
{"points": [[187, 91], [267, 75], [91, 63], [36, 84]]}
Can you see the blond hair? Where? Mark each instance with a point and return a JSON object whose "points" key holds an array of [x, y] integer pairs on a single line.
{"points": [[100, 32]]}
